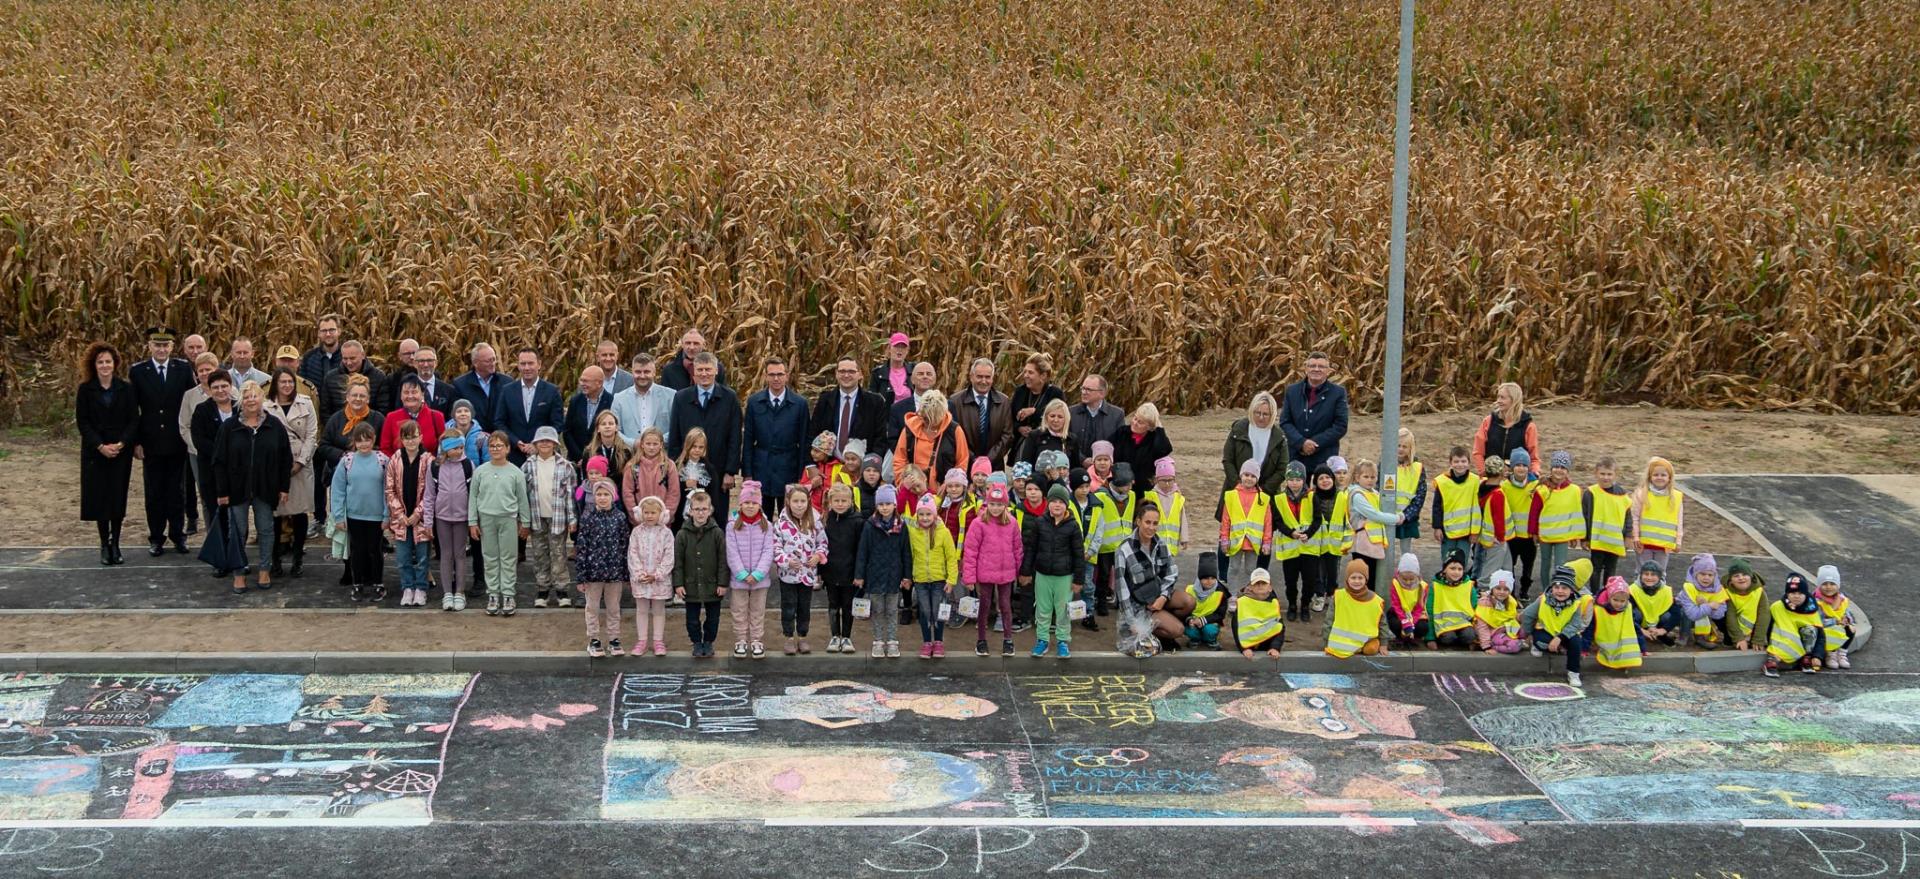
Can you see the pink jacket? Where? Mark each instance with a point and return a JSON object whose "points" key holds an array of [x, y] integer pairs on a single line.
{"points": [[396, 506], [649, 479], [1404, 616], [650, 555], [794, 549], [993, 551], [750, 551]]}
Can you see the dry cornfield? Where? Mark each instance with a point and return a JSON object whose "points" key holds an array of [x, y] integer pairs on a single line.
{"points": [[1704, 202]]}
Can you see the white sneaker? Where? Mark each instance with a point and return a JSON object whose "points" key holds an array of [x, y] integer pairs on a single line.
{"points": [[1537, 652], [1573, 679], [879, 650], [1319, 604], [563, 601], [540, 601], [1840, 659], [446, 601], [893, 650], [459, 601]]}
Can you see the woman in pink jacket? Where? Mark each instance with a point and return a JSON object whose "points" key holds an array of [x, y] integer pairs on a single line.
{"points": [[750, 559], [989, 563]]}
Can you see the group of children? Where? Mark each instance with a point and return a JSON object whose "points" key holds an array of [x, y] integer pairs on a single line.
{"points": [[1016, 548]]}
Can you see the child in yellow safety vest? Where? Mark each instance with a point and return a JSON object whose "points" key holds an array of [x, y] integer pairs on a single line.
{"points": [[1407, 604], [1450, 601], [1516, 495], [1658, 524], [1246, 524], [1617, 630], [1410, 487], [1330, 538], [1114, 508], [1704, 600], [1558, 521], [1609, 513], [1209, 605], [1364, 520], [1256, 617], [1456, 505], [1295, 540], [1840, 616], [1746, 603], [1557, 621], [1359, 624], [1664, 617], [1490, 545], [1496, 618], [1794, 630], [1173, 507]]}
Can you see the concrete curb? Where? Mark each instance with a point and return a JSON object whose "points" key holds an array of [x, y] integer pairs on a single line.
{"points": [[577, 663]]}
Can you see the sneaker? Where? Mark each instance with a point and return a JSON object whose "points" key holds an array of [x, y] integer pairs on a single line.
{"points": [[1573, 679], [1840, 659], [1319, 603], [594, 650], [1707, 643], [939, 649], [790, 648], [1812, 666], [459, 602], [493, 605], [1040, 648], [1770, 669], [508, 605], [562, 601], [1537, 652], [540, 601], [926, 650], [1006, 648], [879, 650], [659, 648], [446, 601], [377, 594], [1021, 627], [804, 647], [980, 648], [1061, 650], [759, 650], [739, 650], [893, 650], [613, 648]]}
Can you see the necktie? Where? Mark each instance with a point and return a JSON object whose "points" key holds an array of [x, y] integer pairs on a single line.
{"points": [[981, 401], [776, 403], [846, 419], [703, 398]]}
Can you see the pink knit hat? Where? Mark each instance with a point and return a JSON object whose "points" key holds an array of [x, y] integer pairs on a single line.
{"points": [[1163, 467], [996, 493], [1102, 447], [597, 465], [750, 492]]}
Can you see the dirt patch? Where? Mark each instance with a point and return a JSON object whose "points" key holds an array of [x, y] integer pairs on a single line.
{"points": [[40, 478]]}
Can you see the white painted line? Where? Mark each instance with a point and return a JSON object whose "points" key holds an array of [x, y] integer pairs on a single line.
{"points": [[1830, 824], [1090, 822], [196, 823]]}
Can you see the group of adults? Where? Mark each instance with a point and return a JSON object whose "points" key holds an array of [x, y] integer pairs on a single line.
{"points": [[235, 444]]}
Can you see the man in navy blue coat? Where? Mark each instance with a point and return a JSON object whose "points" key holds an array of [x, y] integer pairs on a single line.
{"points": [[158, 384], [481, 386], [526, 406], [1313, 414], [586, 405], [775, 448], [711, 406]]}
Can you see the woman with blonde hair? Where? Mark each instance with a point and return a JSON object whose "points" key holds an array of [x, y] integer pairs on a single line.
{"points": [[1509, 426], [1141, 441], [1054, 434], [1256, 438], [931, 440]]}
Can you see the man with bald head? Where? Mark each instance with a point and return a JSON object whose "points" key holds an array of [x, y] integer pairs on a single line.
{"points": [[403, 367], [586, 405], [677, 371], [919, 382], [606, 355], [483, 384], [240, 364]]}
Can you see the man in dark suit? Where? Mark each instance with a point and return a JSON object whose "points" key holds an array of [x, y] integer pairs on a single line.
{"points": [[526, 406], [775, 444], [586, 405], [985, 414], [324, 357], [353, 361], [676, 372], [1093, 419], [922, 382], [711, 406], [438, 391], [1313, 414], [849, 411], [482, 384], [158, 384]]}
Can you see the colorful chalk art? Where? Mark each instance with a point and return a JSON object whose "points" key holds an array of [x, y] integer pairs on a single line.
{"points": [[229, 749]]}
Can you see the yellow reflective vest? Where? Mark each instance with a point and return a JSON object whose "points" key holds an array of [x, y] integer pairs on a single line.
{"points": [[1111, 524], [1405, 478], [1616, 641], [1660, 519], [1561, 518], [1335, 536], [1355, 622], [1255, 620], [1699, 597], [1553, 622], [1459, 505], [1376, 532], [1783, 643], [1609, 533], [1519, 507], [1171, 517], [1290, 516], [1452, 605], [1836, 613], [1744, 610], [1247, 527], [1653, 605], [1501, 619], [1203, 607]]}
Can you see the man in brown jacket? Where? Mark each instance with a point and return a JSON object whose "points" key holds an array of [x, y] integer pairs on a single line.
{"points": [[985, 414]]}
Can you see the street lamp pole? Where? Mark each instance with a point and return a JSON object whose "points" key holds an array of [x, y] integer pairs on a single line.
{"points": [[1396, 283]]}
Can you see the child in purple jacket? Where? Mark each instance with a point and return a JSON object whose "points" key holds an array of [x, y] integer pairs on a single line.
{"points": [[750, 558]]}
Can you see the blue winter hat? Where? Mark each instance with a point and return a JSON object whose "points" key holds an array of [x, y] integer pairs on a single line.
{"points": [[1520, 459], [452, 441]]}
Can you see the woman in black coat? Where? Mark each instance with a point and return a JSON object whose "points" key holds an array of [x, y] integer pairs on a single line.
{"points": [[1140, 442], [108, 421], [205, 423], [252, 469], [1030, 401], [1053, 434]]}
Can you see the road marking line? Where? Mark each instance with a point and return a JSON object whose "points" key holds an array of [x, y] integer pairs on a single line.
{"points": [[1829, 824], [203, 823], [1089, 822]]}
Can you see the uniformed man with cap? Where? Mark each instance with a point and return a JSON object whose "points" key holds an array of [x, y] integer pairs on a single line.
{"points": [[159, 382]]}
